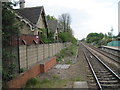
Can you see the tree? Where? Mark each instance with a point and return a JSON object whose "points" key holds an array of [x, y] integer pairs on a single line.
{"points": [[50, 17], [10, 31], [94, 38], [65, 21], [67, 37]]}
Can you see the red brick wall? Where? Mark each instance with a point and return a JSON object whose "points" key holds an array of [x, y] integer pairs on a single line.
{"points": [[47, 65], [21, 80], [29, 39]]}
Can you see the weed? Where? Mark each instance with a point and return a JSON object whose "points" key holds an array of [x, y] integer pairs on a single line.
{"points": [[55, 77], [32, 81], [69, 62], [76, 79], [21, 70], [66, 52]]}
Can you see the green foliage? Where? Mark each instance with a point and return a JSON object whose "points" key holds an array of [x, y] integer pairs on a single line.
{"points": [[7, 55], [43, 35], [54, 82], [69, 51], [94, 38], [44, 38], [21, 70], [98, 39], [10, 26], [8, 73], [51, 37], [67, 37], [32, 81], [76, 79], [10, 30], [50, 17], [55, 77], [69, 62], [83, 40]]}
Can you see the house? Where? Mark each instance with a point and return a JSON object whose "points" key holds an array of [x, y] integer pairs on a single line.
{"points": [[53, 28], [33, 20]]}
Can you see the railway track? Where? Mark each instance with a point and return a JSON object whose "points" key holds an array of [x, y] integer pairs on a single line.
{"points": [[114, 57], [104, 76]]}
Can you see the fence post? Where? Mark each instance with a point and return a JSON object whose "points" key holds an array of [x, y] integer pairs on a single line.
{"points": [[37, 53], [18, 52], [52, 49], [43, 52], [26, 57], [48, 50]]}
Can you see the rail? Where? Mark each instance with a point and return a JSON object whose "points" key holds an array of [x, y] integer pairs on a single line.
{"points": [[96, 78]]}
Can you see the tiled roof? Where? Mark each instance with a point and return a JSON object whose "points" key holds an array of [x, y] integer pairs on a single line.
{"points": [[52, 25], [31, 14]]}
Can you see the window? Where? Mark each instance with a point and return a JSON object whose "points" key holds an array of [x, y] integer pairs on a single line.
{"points": [[24, 42]]}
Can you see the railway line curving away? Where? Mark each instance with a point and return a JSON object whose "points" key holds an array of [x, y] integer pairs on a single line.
{"points": [[104, 77]]}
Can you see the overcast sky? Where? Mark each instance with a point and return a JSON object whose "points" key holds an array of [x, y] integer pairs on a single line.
{"points": [[86, 15]]}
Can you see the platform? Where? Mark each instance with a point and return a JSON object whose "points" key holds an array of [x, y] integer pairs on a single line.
{"points": [[112, 47]]}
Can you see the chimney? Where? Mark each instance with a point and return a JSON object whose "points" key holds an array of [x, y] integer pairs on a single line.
{"points": [[22, 4]]}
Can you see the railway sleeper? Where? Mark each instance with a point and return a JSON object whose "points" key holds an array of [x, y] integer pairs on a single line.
{"points": [[104, 76], [99, 78], [92, 81], [110, 85], [91, 78], [93, 84], [103, 71], [100, 73], [109, 82]]}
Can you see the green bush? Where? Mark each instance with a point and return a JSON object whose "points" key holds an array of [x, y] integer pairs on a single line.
{"points": [[32, 81], [21, 70], [69, 51], [8, 73], [67, 37]]}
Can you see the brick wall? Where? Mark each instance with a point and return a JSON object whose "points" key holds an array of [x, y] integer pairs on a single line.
{"points": [[29, 39], [21, 80], [48, 64]]}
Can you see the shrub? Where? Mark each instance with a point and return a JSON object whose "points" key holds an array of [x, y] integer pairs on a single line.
{"points": [[32, 81]]}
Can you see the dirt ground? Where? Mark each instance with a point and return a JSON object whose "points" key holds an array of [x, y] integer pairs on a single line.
{"points": [[79, 69]]}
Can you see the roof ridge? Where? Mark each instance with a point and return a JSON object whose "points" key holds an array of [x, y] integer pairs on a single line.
{"points": [[30, 7], [26, 13]]}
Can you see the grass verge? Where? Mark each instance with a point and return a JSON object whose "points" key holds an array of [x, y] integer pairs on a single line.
{"points": [[55, 82], [67, 52]]}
